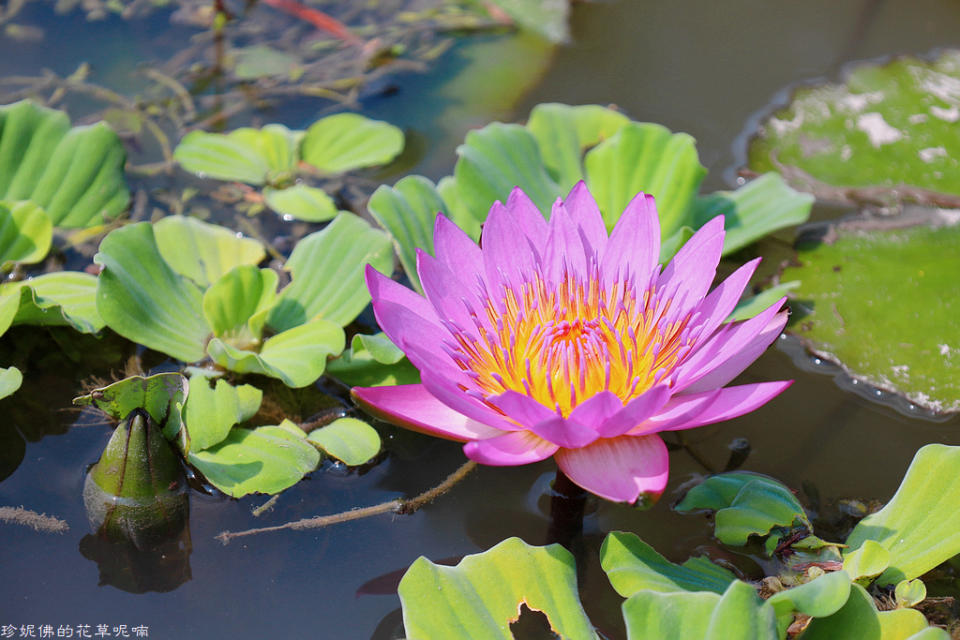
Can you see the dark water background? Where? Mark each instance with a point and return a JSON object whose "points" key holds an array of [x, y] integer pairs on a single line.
{"points": [[700, 66]]}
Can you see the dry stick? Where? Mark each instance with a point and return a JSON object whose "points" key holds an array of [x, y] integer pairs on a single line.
{"points": [[37, 521], [398, 506]]}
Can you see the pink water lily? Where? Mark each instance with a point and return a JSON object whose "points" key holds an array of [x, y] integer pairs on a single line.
{"points": [[556, 339]]}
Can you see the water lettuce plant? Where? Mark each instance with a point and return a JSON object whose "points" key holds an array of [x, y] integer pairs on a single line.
{"points": [[74, 175], [193, 291], [561, 145], [556, 339], [816, 598], [201, 417], [276, 158]]}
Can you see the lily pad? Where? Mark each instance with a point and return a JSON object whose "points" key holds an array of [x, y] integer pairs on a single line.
{"points": [[302, 202], [25, 234], [483, 594], [920, 526], [235, 298], [75, 175], [746, 504], [881, 299], [10, 381], [348, 141], [350, 440], [888, 132], [254, 156], [373, 361], [868, 561], [327, 269], [859, 618], [201, 251], [262, 460], [59, 298], [738, 614], [632, 565], [211, 412]]}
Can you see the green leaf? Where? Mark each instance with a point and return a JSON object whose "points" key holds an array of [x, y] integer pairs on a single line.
{"points": [[25, 234], [751, 306], [348, 141], [495, 159], [478, 598], [821, 597], [738, 614], [235, 298], [140, 297], [891, 126], [261, 61], [565, 132], [58, 298], [408, 211], [161, 395], [633, 565], [302, 202], [10, 381], [856, 619], [646, 157], [756, 209], [373, 361], [920, 526], [910, 593], [901, 624], [746, 504], [868, 561], [75, 175], [254, 156], [297, 356], [201, 251], [910, 273], [211, 412], [545, 17], [930, 633], [9, 305], [327, 269], [348, 439], [262, 460]]}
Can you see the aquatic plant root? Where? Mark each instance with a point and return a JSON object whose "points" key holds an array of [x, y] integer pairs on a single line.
{"points": [[398, 506]]}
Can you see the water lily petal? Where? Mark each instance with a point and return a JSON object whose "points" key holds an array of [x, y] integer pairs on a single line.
{"points": [[634, 244], [678, 411], [521, 408], [419, 338], [686, 280], [509, 255], [636, 411], [459, 253], [730, 350], [585, 213], [383, 288], [450, 296], [413, 407], [519, 447], [450, 391], [566, 252], [618, 469], [731, 402], [716, 307], [528, 217]]}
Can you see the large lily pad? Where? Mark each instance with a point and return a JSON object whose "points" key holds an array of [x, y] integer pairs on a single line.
{"points": [[920, 526], [347, 141], [483, 594], [75, 175], [890, 132], [882, 300], [211, 412], [201, 251], [262, 460], [254, 156]]}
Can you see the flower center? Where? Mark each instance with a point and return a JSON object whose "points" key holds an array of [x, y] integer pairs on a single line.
{"points": [[564, 344]]}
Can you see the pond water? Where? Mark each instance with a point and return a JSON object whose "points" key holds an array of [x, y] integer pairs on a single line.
{"points": [[698, 66]]}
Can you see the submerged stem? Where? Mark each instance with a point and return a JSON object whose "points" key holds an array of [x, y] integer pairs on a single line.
{"points": [[567, 504], [399, 506]]}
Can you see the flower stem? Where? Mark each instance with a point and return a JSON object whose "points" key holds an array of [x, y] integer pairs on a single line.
{"points": [[567, 504], [398, 506]]}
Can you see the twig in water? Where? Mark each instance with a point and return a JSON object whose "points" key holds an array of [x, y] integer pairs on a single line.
{"points": [[398, 506], [37, 521], [266, 506]]}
